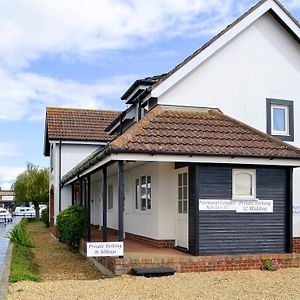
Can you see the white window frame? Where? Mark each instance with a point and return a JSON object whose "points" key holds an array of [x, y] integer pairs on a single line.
{"points": [[251, 172], [286, 118], [137, 194], [180, 197], [110, 197]]}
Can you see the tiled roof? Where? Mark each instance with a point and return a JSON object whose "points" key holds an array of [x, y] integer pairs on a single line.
{"points": [[184, 130], [79, 124]]}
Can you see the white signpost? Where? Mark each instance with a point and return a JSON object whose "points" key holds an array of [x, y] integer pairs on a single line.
{"points": [[105, 249], [239, 206]]}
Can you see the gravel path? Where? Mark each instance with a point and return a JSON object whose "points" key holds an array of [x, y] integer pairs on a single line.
{"points": [[282, 284]]}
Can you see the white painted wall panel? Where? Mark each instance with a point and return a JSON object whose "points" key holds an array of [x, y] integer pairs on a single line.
{"points": [[262, 62]]}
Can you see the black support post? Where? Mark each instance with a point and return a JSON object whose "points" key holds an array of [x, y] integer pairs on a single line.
{"points": [[81, 192], [121, 199], [104, 196], [89, 208], [73, 193]]}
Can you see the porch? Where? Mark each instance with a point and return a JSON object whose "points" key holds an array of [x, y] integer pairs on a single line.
{"points": [[139, 254]]}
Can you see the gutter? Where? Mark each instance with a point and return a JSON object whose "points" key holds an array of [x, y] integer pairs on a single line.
{"points": [[92, 160]]}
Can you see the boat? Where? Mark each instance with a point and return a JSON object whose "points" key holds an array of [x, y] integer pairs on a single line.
{"points": [[5, 216], [27, 212]]}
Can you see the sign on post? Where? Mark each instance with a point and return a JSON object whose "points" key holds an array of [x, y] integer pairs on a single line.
{"points": [[95, 249]]}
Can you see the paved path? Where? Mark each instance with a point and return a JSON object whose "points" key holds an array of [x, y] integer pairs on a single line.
{"points": [[4, 228]]}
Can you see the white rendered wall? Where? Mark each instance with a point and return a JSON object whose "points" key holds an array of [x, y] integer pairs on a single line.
{"points": [[71, 155], [262, 62], [96, 199], [160, 222]]}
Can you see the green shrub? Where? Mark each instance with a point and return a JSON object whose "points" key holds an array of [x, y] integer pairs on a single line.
{"points": [[45, 216], [20, 236], [70, 225]]}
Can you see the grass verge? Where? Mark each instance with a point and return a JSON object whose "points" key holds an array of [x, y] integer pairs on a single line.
{"points": [[22, 264]]}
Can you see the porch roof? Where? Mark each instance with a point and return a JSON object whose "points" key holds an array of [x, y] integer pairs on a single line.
{"points": [[173, 130], [182, 130]]}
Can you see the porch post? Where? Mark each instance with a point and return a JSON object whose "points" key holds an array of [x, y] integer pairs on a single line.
{"points": [[89, 208], [121, 199], [81, 191], [73, 193], [104, 196], [86, 209]]}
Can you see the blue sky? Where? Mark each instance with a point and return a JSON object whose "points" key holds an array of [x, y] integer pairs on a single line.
{"points": [[85, 54]]}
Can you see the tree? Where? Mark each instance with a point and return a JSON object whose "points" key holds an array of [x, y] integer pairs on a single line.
{"points": [[32, 186]]}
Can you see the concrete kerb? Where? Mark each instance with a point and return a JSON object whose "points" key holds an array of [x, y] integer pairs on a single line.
{"points": [[97, 264], [5, 272]]}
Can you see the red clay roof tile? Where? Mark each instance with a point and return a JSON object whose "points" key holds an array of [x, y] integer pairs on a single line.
{"points": [[79, 124], [180, 130]]}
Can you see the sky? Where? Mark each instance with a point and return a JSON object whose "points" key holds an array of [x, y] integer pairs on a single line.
{"points": [[85, 54]]}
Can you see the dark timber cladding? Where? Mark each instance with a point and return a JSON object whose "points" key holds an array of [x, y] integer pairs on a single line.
{"points": [[229, 232]]}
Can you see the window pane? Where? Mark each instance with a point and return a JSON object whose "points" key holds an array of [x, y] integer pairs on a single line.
{"points": [[180, 193], [184, 178], [180, 179], [243, 184], [279, 119], [185, 206], [149, 192], [180, 206], [185, 192], [143, 191], [137, 193]]}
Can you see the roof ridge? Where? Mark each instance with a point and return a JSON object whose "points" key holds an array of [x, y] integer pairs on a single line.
{"points": [[81, 109]]}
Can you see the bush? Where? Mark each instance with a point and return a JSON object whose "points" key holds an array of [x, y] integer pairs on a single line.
{"points": [[70, 225], [20, 236], [45, 216]]}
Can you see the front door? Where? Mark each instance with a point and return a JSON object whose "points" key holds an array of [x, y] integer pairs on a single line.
{"points": [[182, 211]]}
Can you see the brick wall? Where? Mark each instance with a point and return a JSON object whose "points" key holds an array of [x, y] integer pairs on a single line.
{"points": [[145, 240], [203, 263], [296, 244]]}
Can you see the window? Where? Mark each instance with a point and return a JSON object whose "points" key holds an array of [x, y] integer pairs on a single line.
{"points": [[280, 119], [243, 184], [182, 193], [110, 197], [143, 193]]}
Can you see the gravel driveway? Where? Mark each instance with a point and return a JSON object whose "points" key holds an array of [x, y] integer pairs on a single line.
{"points": [[282, 284]]}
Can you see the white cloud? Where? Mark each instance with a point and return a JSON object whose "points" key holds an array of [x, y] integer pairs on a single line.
{"points": [[9, 149], [9, 174], [292, 4], [25, 95], [31, 28]]}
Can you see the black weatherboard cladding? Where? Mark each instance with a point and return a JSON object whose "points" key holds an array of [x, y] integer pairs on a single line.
{"points": [[228, 232]]}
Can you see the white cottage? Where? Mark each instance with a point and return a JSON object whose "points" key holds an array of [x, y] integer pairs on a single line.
{"points": [[177, 170]]}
